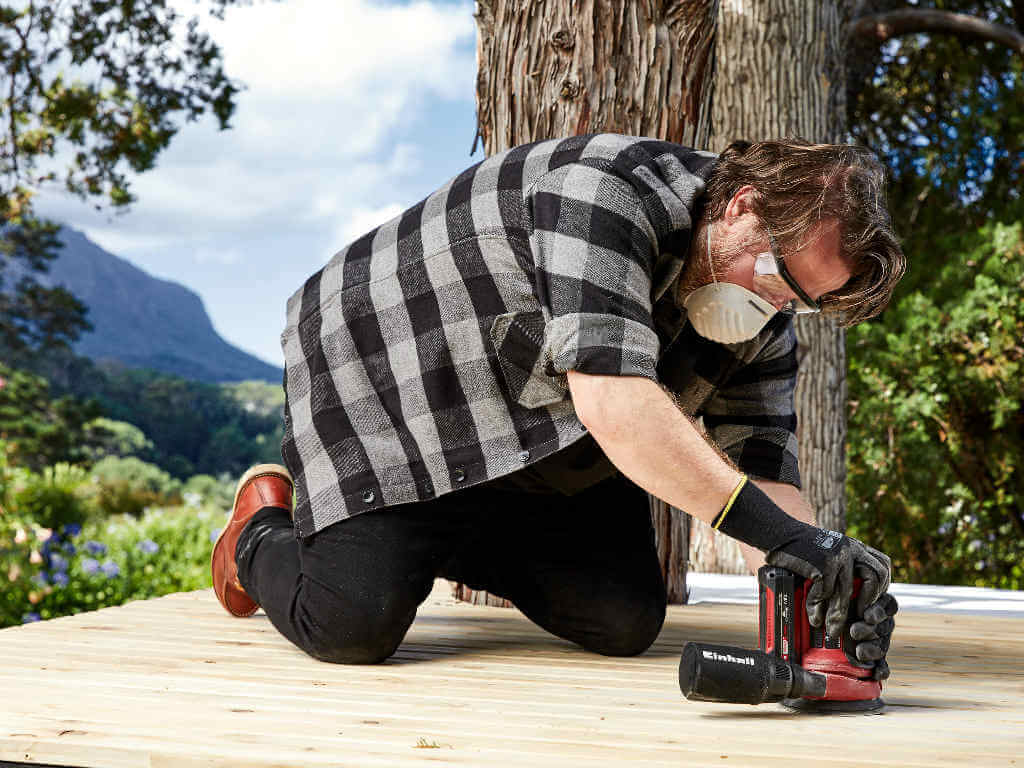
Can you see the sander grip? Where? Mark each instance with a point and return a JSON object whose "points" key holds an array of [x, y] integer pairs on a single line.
{"points": [[733, 675]]}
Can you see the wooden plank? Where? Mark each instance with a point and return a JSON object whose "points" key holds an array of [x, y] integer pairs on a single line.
{"points": [[176, 681]]}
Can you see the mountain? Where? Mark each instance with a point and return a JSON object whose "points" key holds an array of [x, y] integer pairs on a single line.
{"points": [[142, 321]]}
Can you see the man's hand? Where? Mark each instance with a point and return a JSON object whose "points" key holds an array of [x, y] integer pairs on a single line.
{"points": [[832, 561], [873, 633]]}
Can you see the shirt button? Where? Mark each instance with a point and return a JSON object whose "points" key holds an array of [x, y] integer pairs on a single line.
{"points": [[524, 456], [459, 475], [368, 496], [583, 427]]}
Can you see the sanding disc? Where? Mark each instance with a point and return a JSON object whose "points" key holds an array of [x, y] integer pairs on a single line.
{"points": [[826, 707]]}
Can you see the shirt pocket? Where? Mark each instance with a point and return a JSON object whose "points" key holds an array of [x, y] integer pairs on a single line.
{"points": [[518, 339]]}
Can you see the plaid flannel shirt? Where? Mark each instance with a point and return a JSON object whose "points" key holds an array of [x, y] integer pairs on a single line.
{"points": [[431, 353]]}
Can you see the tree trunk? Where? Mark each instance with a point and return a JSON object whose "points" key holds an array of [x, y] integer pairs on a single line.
{"points": [[672, 534], [779, 73], [550, 68]]}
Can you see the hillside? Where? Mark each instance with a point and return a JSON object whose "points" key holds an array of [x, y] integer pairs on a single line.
{"points": [[143, 321]]}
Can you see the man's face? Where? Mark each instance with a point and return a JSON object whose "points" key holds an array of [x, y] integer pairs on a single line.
{"points": [[816, 264], [739, 236]]}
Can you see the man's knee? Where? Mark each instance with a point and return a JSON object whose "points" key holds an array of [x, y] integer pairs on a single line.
{"points": [[629, 630], [355, 634]]}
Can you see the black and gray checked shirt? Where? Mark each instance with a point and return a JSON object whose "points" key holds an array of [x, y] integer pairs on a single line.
{"points": [[430, 354]]}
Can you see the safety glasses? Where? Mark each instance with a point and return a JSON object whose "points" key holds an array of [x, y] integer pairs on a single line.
{"points": [[773, 283]]}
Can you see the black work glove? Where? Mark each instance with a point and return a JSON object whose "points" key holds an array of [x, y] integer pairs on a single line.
{"points": [[829, 559], [832, 561], [872, 634]]}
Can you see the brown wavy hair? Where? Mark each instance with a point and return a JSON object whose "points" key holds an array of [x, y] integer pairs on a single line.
{"points": [[799, 184]]}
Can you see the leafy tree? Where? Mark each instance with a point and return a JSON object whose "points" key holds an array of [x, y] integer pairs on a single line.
{"points": [[93, 90], [936, 473], [35, 320], [117, 438], [934, 447], [945, 111], [185, 426], [40, 430]]}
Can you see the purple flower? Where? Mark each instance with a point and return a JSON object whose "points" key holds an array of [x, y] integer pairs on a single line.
{"points": [[69, 548], [40, 579], [60, 579], [148, 546], [95, 548], [111, 569], [58, 563], [89, 565], [214, 534], [72, 529], [30, 617]]}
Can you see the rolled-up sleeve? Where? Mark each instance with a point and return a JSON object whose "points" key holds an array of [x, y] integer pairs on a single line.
{"points": [[752, 418], [593, 247]]}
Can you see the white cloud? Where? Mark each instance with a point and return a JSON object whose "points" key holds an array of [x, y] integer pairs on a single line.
{"points": [[329, 84], [220, 255], [324, 146]]}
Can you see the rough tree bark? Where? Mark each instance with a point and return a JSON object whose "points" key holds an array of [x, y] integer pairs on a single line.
{"points": [[779, 72], [548, 68], [553, 68]]}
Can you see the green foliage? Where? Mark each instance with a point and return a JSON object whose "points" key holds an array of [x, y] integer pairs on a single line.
{"points": [[946, 113], [182, 426], [50, 573], [41, 430], [127, 486], [194, 426], [56, 496], [936, 440], [116, 438], [217, 492], [53, 564], [258, 397], [35, 319]]}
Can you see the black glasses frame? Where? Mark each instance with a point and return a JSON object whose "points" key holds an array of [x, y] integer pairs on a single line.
{"points": [[788, 277]]}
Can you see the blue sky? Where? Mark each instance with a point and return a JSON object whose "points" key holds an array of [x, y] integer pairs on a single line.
{"points": [[353, 111]]}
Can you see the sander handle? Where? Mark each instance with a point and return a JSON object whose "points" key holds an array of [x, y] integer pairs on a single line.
{"points": [[734, 675]]}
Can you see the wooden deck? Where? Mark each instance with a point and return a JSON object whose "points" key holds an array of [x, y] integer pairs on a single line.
{"points": [[177, 682]]}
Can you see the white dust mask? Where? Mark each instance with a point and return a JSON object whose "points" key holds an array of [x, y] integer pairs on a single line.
{"points": [[726, 312]]}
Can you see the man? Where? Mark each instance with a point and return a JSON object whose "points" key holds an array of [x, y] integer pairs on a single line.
{"points": [[485, 388]]}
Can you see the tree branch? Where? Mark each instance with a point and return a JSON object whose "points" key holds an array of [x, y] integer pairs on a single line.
{"points": [[882, 26]]}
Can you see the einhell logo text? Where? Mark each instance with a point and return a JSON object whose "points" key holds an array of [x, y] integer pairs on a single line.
{"points": [[712, 656]]}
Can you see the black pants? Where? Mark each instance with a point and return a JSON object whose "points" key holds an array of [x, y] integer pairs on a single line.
{"points": [[583, 567]]}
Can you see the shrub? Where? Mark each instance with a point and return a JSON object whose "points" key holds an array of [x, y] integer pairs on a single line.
{"points": [[70, 569], [217, 492], [58, 495], [38, 428], [127, 486]]}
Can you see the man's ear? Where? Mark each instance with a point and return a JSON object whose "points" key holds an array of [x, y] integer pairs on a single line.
{"points": [[741, 203]]}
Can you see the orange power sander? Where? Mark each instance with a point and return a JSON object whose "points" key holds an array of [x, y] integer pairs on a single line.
{"points": [[798, 665]]}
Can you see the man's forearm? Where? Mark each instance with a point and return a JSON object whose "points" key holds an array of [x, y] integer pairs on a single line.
{"points": [[655, 445]]}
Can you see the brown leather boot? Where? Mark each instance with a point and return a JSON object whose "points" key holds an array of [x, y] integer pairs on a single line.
{"points": [[263, 485]]}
